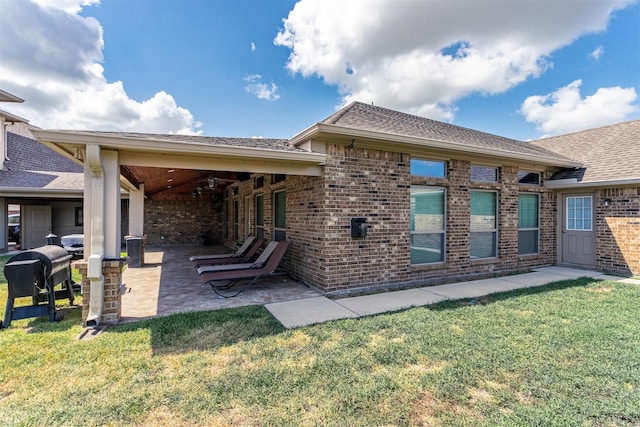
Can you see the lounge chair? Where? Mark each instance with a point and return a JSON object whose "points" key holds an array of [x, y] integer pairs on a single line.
{"points": [[259, 262], [248, 256], [253, 271], [239, 253]]}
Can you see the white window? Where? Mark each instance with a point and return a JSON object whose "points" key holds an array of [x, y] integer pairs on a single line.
{"points": [[528, 223], [484, 224], [427, 224], [579, 213]]}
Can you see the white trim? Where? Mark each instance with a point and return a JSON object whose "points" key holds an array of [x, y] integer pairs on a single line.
{"points": [[572, 183], [419, 142]]}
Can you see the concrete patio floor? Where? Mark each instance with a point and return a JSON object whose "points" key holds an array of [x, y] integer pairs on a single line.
{"points": [[168, 283]]}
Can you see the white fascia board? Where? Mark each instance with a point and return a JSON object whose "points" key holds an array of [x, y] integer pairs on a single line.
{"points": [[559, 184], [40, 192], [184, 148], [412, 141], [9, 97], [9, 117]]}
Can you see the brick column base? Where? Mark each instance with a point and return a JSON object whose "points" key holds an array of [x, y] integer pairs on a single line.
{"points": [[112, 272]]}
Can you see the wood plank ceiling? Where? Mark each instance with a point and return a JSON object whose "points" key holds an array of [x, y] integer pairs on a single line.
{"points": [[176, 183]]}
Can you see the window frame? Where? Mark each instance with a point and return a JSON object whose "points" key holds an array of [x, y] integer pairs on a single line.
{"points": [[529, 229], [442, 232], [529, 172], [493, 230], [423, 160], [259, 216], [495, 168], [566, 224], [277, 230]]}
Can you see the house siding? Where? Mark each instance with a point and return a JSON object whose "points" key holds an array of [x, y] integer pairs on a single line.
{"points": [[618, 230], [375, 184]]}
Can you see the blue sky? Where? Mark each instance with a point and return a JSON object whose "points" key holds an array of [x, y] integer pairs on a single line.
{"points": [[517, 68]]}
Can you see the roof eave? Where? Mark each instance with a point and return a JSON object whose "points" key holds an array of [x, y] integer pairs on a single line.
{"points": [[572, 183], [41, 192], [9, 117], [327, 129], [165, 146]]}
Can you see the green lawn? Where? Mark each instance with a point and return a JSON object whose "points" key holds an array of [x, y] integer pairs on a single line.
{"points": [[567, 354]]}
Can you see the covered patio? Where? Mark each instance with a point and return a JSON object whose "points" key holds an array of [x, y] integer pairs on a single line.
{"points": [[168, 283]]}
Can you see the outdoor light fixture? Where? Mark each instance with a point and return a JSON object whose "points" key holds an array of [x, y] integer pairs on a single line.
{"points": [[213, 181], [607, 201]]}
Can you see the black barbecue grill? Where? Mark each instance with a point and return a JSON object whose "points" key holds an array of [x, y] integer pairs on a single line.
{"points": [[35, 273]]}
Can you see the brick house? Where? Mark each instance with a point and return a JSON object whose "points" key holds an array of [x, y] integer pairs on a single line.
{"points": [[39, 186], [609, 181], [368, 197]]}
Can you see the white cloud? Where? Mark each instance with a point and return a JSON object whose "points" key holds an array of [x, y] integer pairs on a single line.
{"points": [[597, 53], [423, 56], [55, 67], [261, 90], [565, 110], [253, 47]]}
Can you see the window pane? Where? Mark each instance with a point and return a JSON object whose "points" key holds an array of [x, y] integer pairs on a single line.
{"points": [[428, 168], [529, 178], [280, 235], [427, 209], [280, 214], [484, 174], [260, 209], [527, 242], [483, 245], [427, 247], [527, 211], [483, 210]]}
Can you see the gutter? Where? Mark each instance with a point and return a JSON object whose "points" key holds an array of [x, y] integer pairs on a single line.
{"points": [[559, 184], [94, 271]]}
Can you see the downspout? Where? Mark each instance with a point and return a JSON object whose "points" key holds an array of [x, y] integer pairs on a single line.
{"points": [[94, 270]]}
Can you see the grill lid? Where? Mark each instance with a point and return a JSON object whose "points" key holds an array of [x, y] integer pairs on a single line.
{"points": [[52, 257]]}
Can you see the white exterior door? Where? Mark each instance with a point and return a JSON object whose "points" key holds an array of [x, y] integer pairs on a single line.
{"points": [[37, 224], [578, 230]]}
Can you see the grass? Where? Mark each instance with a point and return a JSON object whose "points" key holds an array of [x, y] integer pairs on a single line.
{"points": [[560, 355]]}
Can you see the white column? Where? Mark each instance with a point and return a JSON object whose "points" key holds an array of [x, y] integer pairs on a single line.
{"points": [[136, 212], [112, 205]]}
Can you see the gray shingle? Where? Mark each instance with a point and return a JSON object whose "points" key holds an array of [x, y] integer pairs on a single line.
{"points": [[362, 116], [27, 154], [260, 143], [609, 153]]}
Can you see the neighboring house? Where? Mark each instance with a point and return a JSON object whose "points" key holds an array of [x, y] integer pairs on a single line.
{"points": [[599, 204], [42, 186], [369, 197]]}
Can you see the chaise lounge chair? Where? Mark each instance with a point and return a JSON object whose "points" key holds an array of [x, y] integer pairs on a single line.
{"points": [[251, 271], [259, 262], [244, 253]]}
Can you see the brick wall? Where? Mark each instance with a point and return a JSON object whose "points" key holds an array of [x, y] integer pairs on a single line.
{"points": [[374, 184], [169, 222], [112, 307], [618, 230]]}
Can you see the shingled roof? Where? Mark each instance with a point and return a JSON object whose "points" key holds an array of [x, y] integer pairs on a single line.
{"points": [[260, 143], [609, 153], [33, 167], [358, 115]]}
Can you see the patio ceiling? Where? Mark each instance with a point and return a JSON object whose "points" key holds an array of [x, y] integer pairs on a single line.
{"points": [[180, 164]]}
